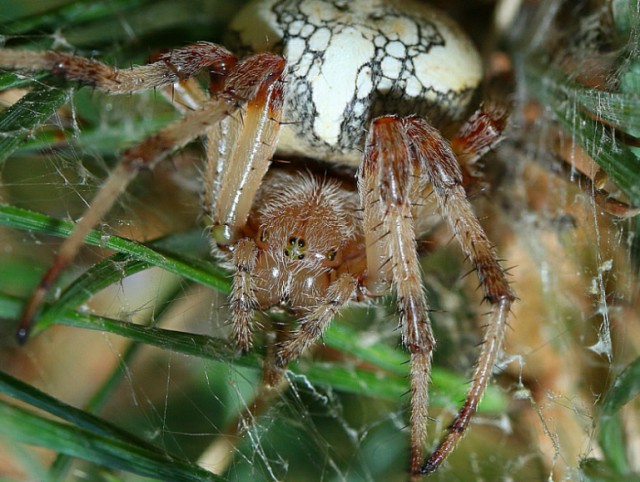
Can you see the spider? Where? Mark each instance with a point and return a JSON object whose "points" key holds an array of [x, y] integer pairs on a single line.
{"points": [[371, 88]]}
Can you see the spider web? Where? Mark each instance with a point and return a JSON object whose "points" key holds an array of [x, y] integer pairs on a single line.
{"points": [[573, 328]]}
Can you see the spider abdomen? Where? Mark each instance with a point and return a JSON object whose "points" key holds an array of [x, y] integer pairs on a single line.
{"points": [[349, 62]]}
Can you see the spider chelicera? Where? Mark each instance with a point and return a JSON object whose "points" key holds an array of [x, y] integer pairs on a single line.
{"points": [[369, 85]]}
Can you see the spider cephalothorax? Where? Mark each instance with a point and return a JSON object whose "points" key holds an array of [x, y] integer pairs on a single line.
{"points": [[306, 226], [371, 84]]}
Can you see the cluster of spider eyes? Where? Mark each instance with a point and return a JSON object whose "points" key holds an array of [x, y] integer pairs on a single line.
{"points": [[297, 248]]}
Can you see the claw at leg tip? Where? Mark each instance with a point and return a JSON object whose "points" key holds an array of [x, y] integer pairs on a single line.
{"points": [[21, 335], [429, 467]]}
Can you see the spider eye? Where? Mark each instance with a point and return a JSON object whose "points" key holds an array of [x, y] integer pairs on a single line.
{"points": [[264, 235], [331, 255], [292, 241], [301, 256]]}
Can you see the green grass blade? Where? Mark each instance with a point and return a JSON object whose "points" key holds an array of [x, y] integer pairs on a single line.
{"points": [[24, 16], [10, 80], [611, 436], [26, 393], [18, 122], [23, 426], [134, 257], [571, 103], [205, 273], [448, 388]]}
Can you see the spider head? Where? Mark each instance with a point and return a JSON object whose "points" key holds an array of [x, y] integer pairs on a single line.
{"points": [[303, 230]]}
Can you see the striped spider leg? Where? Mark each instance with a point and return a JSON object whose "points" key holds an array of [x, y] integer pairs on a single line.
{"points": [[313, 244], [407, 159], [249, 83]]}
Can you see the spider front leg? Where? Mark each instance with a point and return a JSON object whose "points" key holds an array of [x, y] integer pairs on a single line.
{"points": [[313, 325], [440, 165], [389, 184], [249, 80], [169, 68], [239, 151], [243, 300]]}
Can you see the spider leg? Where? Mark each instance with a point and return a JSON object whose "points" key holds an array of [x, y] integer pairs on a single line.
{"points": [[313, 325], [480, 133], [243, 298], [251, 79], [171, 67], [440, 164], [239, 151], [389, 183], [221, 141], [185, 95]]}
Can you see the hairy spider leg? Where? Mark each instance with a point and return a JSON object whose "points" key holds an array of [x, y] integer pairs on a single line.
{"points": [[311, 327], [239, 152], [479, 134], [390, 183], [244, 82], [241, 149], [171, 67], [443, 171]]}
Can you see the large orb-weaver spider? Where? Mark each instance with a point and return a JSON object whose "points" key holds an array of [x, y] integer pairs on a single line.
{"points": [[297, 239]]}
